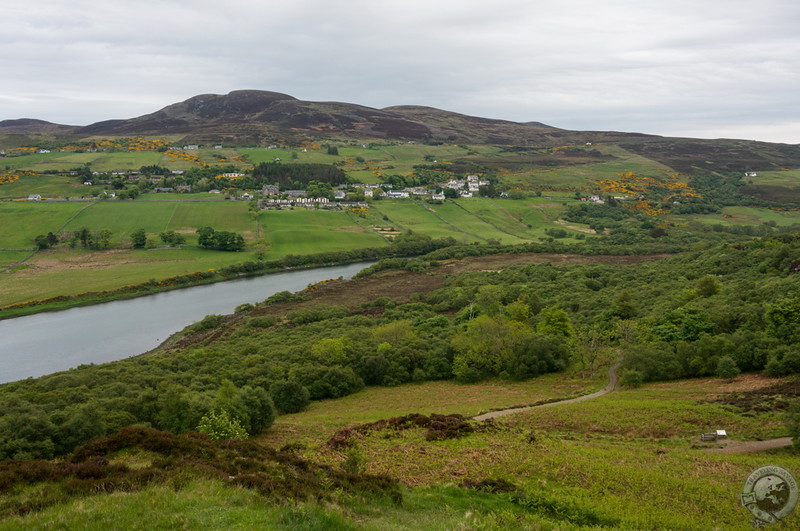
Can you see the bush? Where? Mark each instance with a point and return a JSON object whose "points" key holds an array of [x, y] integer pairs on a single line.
{"points": [[220, 425], [631, 379], [289, 397], [318, 312], [207, 323], [727, 368], [264, 321]]}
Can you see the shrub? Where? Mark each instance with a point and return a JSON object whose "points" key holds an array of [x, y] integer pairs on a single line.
{"points": [[220, 425], [262, 322], [631, 379], [318, 312], [207, 323], [727, 368], [289, 397]]}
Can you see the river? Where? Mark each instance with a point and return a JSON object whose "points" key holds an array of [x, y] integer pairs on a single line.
{"points": [[49, 342]]}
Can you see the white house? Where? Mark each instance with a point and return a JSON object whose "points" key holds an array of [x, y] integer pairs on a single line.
{"points": [[397, 194]]}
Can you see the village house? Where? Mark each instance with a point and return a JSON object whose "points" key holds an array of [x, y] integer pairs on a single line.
{"points": [[397, 194], [368, 192], [455, 184], [191, 147], [465, 193], [184, 188], [438, 196], [177, 172], [233, 175], [338, 194], [34, 197], [270, 189]]}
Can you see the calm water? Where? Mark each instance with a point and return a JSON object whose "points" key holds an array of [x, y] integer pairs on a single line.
{"points": [[49, 342]]}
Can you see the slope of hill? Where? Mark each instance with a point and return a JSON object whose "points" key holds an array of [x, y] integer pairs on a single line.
{"points": [[30, 126], [248, 115]]}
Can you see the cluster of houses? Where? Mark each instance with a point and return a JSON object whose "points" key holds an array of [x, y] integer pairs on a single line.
{"points": [[276, 198]]}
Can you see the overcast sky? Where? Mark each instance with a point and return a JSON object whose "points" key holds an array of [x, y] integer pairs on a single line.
{"points": [[700, 68]]}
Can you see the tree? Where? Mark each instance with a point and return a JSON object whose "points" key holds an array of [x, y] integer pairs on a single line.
{"points": [[205, 236], [172, 238], [289, 396], [486, 346], [554, 321], [138, 239], [219, 240], [591, 340], [41, 242], [726, 368]]}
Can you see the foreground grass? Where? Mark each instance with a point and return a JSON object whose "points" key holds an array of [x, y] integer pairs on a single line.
{"points": [[627, 460], [315, 425]]}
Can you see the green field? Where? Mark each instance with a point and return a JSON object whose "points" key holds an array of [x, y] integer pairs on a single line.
{"points": [[69, 272], [23, 221], [100, 161], [47, 186], [122, 218], [411, 215], [787, 178], [8, 258], [731, 216], [314, 231]]}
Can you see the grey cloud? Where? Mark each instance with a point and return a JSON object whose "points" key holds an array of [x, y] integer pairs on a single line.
{"points": [[714, 67]]}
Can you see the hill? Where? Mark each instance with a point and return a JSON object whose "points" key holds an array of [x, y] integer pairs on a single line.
{"points": [[252, 115], [29, 126]]}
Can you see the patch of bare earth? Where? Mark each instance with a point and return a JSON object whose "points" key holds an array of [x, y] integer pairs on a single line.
{"points": [[52, 261]]}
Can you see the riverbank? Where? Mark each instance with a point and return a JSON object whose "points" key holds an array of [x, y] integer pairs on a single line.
{"points": [[36, 345]]}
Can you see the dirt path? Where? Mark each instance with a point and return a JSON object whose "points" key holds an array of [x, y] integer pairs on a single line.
{"points": [[612, 384], [747, 447]]}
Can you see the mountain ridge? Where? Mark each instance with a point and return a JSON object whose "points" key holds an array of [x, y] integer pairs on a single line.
{"points": [[248, 115]]}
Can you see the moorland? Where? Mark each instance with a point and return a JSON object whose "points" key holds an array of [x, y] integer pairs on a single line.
{"points": [[515, 264]]}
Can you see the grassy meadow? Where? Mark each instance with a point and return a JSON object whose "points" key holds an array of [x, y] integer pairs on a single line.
{"points": [[627, 460], [314, 231]]}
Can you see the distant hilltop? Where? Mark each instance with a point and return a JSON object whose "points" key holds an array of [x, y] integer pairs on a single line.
{"points": [[253, 115]]}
